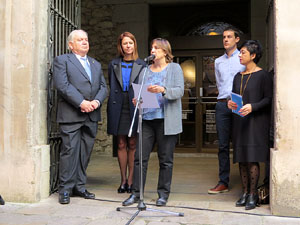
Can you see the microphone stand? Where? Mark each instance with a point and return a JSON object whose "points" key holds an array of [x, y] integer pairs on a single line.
{"points": [[141, 205]]}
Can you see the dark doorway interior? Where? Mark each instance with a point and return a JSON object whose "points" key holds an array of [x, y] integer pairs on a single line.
{"points": [[177, 20]]}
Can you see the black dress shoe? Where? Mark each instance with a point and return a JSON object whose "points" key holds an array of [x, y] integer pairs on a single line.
{"points": [[131, 200], [64, 198], [251, 202], [85, 194], [129, 189], [123, 188], [2, 202], [161, 201], [242, 200]]}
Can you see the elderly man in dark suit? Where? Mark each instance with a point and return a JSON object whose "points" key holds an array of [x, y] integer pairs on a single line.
{"points": [[80, 83]]}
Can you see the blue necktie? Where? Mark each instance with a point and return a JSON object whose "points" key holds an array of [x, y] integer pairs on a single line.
{"points": [[86, 67]]}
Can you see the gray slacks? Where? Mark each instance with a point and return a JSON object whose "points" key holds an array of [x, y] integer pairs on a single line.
{"points": [[77, 144]]}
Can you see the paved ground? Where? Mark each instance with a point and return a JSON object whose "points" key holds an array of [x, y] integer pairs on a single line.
{"points": [[194, 174]]}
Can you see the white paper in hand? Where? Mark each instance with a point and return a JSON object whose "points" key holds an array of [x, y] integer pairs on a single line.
{"points": [[149, 99]]}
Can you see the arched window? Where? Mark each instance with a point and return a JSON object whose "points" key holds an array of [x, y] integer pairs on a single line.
{"points": [[209, 29]]}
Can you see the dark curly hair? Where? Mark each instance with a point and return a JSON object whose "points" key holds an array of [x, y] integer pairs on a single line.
{"points": [[254, 47]]}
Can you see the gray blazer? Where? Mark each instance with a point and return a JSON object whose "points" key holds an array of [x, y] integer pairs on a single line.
{"points": [[74, 86], [174, 91]]}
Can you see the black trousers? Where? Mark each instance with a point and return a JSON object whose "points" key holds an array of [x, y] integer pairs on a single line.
{"points": [[77, 144], [153, 132], [223, 123]]}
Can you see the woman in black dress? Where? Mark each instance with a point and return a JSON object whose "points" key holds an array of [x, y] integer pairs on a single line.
{"points": [[251, 130], [122, 72]]}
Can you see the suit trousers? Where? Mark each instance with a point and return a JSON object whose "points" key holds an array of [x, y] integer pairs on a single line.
{"points": [[153, 132], [77, 144], [223, 124]]}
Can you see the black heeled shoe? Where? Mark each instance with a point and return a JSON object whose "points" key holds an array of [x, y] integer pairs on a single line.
{"points": [[251, 202], [129, 189], [242, 201], [123, 188]]}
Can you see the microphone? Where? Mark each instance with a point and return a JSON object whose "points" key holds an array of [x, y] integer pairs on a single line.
{"points": [[149, 58]]}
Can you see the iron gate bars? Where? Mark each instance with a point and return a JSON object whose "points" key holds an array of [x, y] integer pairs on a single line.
{"points": [[63, 17]]}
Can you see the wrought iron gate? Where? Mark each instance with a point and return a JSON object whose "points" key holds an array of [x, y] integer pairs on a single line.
{"points": [[63, 17]]}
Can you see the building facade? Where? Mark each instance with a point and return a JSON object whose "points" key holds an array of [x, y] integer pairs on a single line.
{"points": [[28, 44]]}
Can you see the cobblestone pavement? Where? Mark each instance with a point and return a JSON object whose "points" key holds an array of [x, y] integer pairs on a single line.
{"points": [[194, 174]]}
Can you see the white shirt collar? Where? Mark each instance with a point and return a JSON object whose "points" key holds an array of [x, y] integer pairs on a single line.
{"points": [[80, 57], [236, 51]]}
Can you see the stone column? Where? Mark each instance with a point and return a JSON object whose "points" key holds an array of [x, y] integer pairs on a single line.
{"points": [[24, 153], [285, 166]]}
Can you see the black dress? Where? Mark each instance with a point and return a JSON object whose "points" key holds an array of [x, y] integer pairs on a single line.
{"points": [[250, 134], [125, 120]]}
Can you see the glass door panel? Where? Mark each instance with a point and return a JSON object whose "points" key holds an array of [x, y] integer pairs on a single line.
{"points": [[199, 101], [187, 139], [209, 99]]}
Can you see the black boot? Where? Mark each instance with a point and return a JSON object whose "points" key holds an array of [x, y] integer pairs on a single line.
{"points": [[242, 201], [251, 202]]}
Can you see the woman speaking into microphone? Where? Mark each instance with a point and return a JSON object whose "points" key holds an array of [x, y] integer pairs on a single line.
{"points": [[160, 125]]}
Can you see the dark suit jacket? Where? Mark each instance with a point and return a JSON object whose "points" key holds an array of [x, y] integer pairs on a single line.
{"points": [[74, 86], [115, 101]]}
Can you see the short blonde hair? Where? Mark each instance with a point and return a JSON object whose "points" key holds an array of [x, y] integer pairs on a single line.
{"points": [[164, 45]]}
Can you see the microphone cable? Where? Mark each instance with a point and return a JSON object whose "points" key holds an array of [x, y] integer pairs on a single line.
{"points": [[205, 209]]}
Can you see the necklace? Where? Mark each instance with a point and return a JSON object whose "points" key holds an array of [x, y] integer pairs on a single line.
{"points": [[242, 90]]}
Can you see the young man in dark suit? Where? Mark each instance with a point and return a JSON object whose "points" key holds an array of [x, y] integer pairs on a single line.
{"points": [[80, 83]]}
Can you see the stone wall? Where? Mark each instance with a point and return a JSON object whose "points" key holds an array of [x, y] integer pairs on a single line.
{"points": [[96, 19]]}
